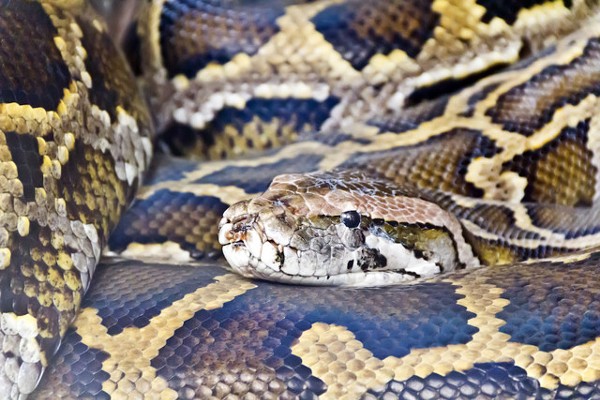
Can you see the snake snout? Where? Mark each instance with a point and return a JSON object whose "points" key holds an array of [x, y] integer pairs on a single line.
{"points": [[240, 241], [235, 223], [250, 238]]}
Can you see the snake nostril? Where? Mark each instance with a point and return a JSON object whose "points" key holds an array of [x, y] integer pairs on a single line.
{"points": [[236, 230]]}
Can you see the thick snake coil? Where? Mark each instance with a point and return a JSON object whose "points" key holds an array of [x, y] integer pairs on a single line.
{"points": [[454, 134]]}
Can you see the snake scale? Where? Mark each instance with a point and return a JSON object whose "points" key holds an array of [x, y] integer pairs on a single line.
{"points": [[319, 142]]}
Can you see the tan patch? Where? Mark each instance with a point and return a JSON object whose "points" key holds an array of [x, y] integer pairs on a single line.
{"points": [[349, 370], [131, 351], [256, 135]]}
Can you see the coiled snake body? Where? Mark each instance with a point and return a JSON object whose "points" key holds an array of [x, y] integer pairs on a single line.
{"points": [[452, 135]]}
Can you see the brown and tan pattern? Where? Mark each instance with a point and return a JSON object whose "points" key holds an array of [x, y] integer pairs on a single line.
{"points": [[72, 156], [454, 133], [451, 46], [445, 159]]}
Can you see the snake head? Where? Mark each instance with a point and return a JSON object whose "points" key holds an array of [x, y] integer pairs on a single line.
{"points": [[341, 228]]}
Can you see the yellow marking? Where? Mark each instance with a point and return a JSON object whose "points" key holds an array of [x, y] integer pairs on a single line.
{"points": [[86, 78], [23, 226], [4, 258], [593, 144], [335, 356], [564, 259], [564, 55], [69, 140], [62, 154], [152, 35], [530, 18], [167, 252], [60, 43], [515, 143], [46, 166], [64, 261], [381, 67], [485, 173], [227, 194], [73, 4], [98, 25], [566, 116], [204, 169], [42, 146], [522, 221], [132, 350], [284, 49], [180, 82], [460, 26], [552, 239], [54, 277], [63, 302], [72, 280], [258, 132], [8, 169], [494, 254], [25, 119], [62, 108], [61, 207]]}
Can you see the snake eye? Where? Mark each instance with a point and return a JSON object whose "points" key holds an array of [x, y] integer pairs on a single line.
{"points": [[351, 219]]}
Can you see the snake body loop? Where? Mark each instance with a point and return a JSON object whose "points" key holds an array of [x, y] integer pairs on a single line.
{"points": [[331, 142]]}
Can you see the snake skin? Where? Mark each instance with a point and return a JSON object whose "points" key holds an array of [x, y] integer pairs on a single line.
{"points": [[200, 332], [75, 142], [408, 90]]}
